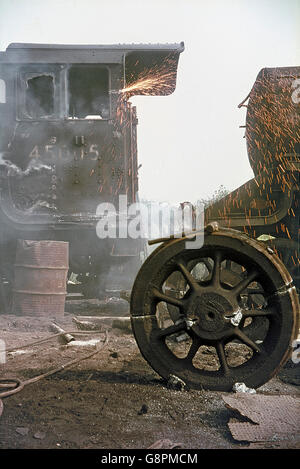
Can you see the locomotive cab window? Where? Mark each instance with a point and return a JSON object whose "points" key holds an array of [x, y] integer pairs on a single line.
{"points": [[39, 96], [88, 92]]}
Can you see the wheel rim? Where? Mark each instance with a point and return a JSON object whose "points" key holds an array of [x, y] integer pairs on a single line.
{"points": [[212, 316]]}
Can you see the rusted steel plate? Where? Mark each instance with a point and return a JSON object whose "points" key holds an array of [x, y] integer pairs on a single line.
{"points": [[272, 418]]}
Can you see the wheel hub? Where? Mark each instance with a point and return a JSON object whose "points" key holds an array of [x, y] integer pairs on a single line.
{"points": [[209, 312]]}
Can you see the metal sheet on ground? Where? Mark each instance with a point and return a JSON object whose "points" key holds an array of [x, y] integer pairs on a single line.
{"points": [[271, 418]]}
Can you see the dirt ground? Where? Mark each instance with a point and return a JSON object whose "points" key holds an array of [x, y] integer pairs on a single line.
{"points": [[113, 400]]}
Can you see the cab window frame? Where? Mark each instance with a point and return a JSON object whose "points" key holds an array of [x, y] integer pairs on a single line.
{"points": [[87, 66], [27, 73]]}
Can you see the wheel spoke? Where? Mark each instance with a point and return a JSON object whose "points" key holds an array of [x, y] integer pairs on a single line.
{"points": [[254, 313], [215, 278], [246, 340], [193, 348], [187, 274], [168, 299], [245, 282], [171, 330], [222, 358]]}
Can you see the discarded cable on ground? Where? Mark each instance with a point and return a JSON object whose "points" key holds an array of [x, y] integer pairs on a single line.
{"points": [[17, 385], [40, 341]]}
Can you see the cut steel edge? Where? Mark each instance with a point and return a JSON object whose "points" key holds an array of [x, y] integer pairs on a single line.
{"points": [[240, 411]]}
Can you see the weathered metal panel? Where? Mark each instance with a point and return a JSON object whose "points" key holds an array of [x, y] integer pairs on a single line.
{"points": [[272, 418]]}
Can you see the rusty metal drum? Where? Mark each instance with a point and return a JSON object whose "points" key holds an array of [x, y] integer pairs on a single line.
{"points": [[40, 278]]}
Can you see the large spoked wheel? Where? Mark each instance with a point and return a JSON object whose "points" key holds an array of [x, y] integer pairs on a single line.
{"points": [[202, 333]]}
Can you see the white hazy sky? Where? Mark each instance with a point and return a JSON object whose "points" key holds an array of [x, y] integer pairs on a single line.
{"points": [[189, 143]]}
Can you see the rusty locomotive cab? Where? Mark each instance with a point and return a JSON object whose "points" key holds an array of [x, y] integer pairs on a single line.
{"points": [[67, 144]]}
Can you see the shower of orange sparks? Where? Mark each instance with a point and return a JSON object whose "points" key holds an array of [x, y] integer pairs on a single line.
{"points": [[153, 83], [158, 80]]}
